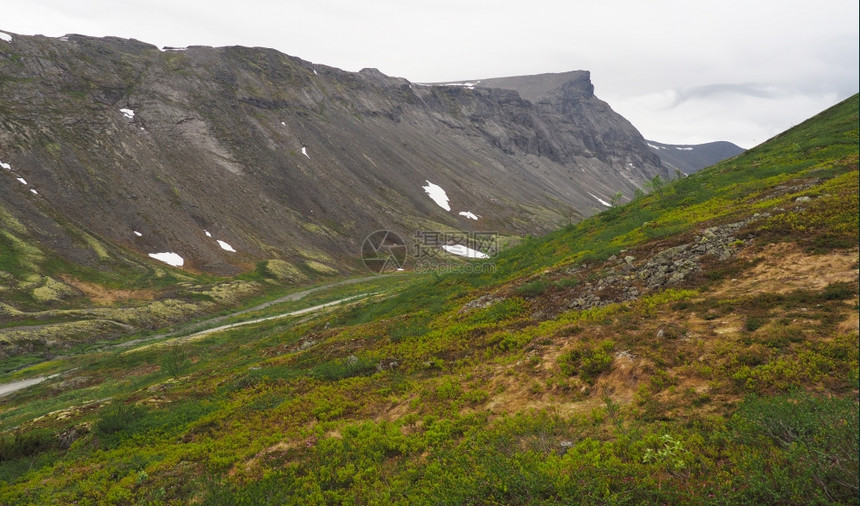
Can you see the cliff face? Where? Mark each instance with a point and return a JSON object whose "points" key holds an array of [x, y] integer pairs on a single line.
{"points": [[158, 151]]}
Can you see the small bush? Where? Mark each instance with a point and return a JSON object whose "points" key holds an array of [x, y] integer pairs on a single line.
{"points": [[533, 288], [502, 310], [587, 360], [814, 440], [839, 291], [174, 360], [413, 327], [754, 323], [117, 419], [339, 369], [26, 444]]}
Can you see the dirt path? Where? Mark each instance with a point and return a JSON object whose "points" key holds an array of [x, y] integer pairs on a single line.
{"points": [[213, 330], [287, 298], [8, 388], [212, 321]]}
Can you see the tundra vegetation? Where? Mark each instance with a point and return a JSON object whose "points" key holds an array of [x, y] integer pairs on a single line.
{"points": [[698, 344]]}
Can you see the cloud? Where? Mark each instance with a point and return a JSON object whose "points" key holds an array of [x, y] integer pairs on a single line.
{"points": [[732, 70], [723, 91], [746, 115]]}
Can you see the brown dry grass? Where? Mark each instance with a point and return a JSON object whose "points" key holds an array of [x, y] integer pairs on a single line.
{"points": [[784, 267], [103, 296]]}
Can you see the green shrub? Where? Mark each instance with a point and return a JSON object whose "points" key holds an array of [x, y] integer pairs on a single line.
{"points": [[798, 448], [348, 367], [174, 360], [26, 444], [506, 309], [587, 360], [533, 288], [754, 323], [670, 454], [413, 327], [118, 421], [839, 291]]}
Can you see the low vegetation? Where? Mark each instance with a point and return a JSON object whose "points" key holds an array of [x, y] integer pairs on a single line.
{"points": [[696, 345]]}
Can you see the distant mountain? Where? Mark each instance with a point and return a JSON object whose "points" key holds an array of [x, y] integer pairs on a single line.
{"points": [[220, 158], [689, 158]]}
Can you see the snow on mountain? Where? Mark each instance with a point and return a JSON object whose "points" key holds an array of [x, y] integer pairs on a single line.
{"points": [[169, 258], [605, 203], [225, 246], [464, 251], [438, 195]]}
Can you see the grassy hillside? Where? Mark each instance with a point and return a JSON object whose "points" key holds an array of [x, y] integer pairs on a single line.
{"points": [[697, 345]]}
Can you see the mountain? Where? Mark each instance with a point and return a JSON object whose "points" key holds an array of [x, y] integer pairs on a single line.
{"points": [[696, 345], [690, 158], [220, 158]]}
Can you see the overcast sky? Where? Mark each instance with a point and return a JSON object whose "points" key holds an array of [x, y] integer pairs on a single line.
{"points": [[681, 71]]}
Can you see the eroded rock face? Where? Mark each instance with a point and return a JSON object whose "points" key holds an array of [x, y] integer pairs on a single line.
{"points": [[173, 151]]}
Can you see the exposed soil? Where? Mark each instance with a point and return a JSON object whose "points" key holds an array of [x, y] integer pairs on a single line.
{"points": [[776, 268], [102, 296], [784, 268]]}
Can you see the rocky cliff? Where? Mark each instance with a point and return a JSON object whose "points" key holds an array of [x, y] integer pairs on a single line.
{"points": [[226, 156]]}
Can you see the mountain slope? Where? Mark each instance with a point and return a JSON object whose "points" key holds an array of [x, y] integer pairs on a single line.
{"points": [[690, 158], [696, 345], [155, 151]]}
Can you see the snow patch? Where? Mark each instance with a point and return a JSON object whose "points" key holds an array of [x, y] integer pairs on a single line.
{"points": [[283, 123], [469, 214], [464, 251], [605, 203], [683, 149], [225, 246], [468, 85], [438, 195], [5, 36], [128, 113], [305, 152], [653, 146], [21, 179], [33, 191], [138, 233], [5, 166], [169, 258], [207, 233]]}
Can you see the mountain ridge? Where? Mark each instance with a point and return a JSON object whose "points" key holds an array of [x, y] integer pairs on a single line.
{"points": [[281, 158], [690, 158]]}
